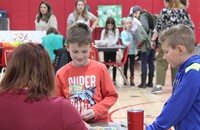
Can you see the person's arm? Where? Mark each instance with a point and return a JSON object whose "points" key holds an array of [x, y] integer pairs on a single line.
{"points": [[53, 22], [102, 35], [36, 23], [108, 93], [153, 39], [124, 38], [94, 20], [180, 103], [70, 20], [71, 119], [114, 42]]}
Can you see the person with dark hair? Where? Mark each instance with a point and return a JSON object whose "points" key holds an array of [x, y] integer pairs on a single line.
{"points": [[52, 41], [45, 17], [110, 34], [27, 94], [81, 14], [182, 109], [84, 82]]}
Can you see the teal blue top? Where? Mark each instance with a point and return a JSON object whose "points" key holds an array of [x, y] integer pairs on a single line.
{"points": [[127, 38], [51, 42]]}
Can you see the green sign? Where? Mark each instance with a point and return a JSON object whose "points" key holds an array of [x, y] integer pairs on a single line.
{"points": [[113, 10]]}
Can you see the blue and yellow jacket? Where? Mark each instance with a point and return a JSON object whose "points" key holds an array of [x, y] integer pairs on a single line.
{"points": [[182, 109]]}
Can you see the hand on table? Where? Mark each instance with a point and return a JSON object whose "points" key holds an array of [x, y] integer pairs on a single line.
{"points": [[88, 114]]}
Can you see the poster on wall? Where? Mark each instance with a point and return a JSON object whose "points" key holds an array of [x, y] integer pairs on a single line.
{"points": [[22, 36], [111, 10]]}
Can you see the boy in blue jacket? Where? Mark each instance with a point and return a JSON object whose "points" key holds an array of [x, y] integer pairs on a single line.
{"points": [[182, 109]]}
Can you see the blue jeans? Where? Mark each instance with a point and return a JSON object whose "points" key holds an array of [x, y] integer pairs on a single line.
{"points": [[147, 58]]}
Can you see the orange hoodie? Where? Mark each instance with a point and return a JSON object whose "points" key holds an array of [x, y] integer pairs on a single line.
{"points": [[87, 87]]}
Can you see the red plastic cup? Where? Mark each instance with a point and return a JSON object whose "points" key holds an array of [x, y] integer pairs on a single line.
{"points": [[135, 119]]}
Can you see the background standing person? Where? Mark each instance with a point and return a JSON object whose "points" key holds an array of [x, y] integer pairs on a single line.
{"points": [[110, 34], [128, 40], [182, 109], [45, 17], [168, 17], [52, 41], [85, 83], [80, 14], [136, 25], [26, 96], [147, 53]]}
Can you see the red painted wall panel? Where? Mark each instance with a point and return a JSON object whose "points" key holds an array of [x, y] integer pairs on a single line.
{"points": [[19, 16], [22, 12], [108, 2]]}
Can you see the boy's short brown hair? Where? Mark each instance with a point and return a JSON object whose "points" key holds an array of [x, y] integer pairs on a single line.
{"points": [[179, 35], [79, 33]]}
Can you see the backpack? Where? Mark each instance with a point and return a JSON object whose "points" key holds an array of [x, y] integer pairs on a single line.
{"points": [[151, 20], [61, 59]]}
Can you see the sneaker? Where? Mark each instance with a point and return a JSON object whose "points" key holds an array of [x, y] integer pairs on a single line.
{"points": [[157, 89]]}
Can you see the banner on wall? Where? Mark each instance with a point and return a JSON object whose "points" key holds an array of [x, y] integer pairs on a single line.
{"points": [[22, 36], [113, 10]]}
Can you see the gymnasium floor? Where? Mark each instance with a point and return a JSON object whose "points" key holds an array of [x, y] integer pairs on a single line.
{"points": [[138, 98]]}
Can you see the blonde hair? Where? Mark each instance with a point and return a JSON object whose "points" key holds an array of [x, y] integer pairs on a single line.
{"points": [[126, 19], [174, 4], [84, 14], [179, 35]]}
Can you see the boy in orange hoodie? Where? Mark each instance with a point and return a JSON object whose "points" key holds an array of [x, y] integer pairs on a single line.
{"points": [[85, 83]]}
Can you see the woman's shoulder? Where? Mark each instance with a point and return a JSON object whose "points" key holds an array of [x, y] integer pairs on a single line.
{"points": [[125, 32], [71, 15], [89, 13], [59, 102], [164, 11]]}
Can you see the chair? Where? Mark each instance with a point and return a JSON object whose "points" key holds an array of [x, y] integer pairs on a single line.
{"points": [[94, 53], [6, 51], [119, 65]]}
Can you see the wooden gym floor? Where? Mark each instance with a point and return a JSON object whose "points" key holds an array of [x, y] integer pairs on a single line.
{"points": [[138, 98]]}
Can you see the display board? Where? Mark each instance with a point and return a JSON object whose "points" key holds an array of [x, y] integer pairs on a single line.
{"points": [[113, 10], [22, 36]]}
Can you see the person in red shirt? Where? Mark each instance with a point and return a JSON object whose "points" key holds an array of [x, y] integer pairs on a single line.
{"points": [[26, 94], [85, 83]]}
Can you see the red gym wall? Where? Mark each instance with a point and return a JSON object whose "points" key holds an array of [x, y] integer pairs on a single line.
{"points": [[22, 12]]}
